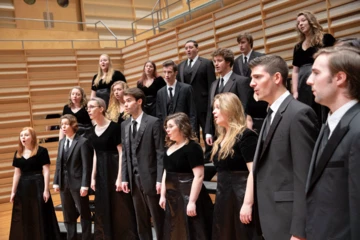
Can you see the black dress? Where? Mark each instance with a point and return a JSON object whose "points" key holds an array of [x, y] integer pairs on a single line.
{"points": [[103, 89], [303, 59], [84, 121], [114, 211], [179, 177], [150, 93], [32, 218], [230, 192]]}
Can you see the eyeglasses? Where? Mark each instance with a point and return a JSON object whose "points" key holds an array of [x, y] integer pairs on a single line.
{"points": [[90, 107]]}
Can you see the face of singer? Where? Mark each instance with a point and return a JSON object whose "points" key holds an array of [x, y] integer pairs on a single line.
{"points": [[173, 131], [104, 62], [323, 84], [76, 96], [118, 92], [262, 83], [149, 69], [94, 110], [131, 105], [25, 138], [66, 128], [221, 66], [191, 50], [244, 46], [303, 24], [220, 117], [169, 75]]}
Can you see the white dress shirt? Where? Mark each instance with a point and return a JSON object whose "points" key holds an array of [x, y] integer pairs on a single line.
{"points": [[173, 88], [334, 118], [275, 106]]}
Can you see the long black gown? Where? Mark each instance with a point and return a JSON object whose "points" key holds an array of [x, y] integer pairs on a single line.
{"points": [[83, 119], [32, 218], [179, 177], [103, 89], [150, 93], [114, 211], [230, 192], [304, 59]]}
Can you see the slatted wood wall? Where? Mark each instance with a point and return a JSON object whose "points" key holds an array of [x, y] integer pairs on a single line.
{"points": [[35, 83]]}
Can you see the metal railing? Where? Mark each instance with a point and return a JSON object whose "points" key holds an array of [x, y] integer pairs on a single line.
{"points": [[68, 22]]}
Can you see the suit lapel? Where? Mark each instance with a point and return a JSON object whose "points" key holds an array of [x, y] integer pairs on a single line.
{"points": [[71, 149], [61, 150], [127, 134], [258, 147], [141, 130], [229, 83], [164, 101], [176, 96], [240, 62], [275, 122], [195, 68], [339, 132]]}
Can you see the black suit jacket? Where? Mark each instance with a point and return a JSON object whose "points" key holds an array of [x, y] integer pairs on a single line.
{"points": [[239, 67], [236, 84], [78, 163], [280, 169], [183, 102], [202, 77], [333, 183], [149, 153]]}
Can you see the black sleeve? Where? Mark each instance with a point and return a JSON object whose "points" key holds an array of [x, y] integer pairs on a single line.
{"points": [[195, 155], [94, 88], [44, 156], [160, 82], [296, 62], [118, 76], [248, 144], [16, 161], [117, 133]]}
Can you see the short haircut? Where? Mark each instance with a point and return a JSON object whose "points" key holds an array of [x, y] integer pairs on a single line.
{"points": [[344, 59], [272, 65], [136, 93], [72, 121], [349, 42], [171, 63], [226, 53], [194, 42], [100, 102], [247, 36]]}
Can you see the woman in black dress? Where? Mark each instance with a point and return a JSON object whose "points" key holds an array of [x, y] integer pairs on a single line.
{"points": [[183, 196], [76, 107], [116, 110], [114, 210], [150, 83], [232, 154], [312, 38], [104, 79], [33, 215]]}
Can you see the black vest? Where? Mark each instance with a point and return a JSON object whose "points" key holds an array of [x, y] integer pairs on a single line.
{"points": [[187, 73], [134, 161]]}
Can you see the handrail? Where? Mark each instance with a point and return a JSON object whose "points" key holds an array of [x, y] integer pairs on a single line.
{"points": [[65, 21], [157, 2]]}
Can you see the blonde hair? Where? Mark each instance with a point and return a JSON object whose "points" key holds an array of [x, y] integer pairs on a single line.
{"points": [[315, 28], [83, 101], [230, 106], [34, 143], [114, 105], [100, 73]]}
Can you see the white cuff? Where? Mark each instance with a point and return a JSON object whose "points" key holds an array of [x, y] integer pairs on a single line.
{"points": [[56, 186], [85, 188], [208, 135]]}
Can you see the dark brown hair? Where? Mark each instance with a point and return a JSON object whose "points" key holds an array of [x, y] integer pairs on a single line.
{"points": [[227, 54], [137, 93], [143, 76], [183, 123], [72, 121], [171, 63], [247, 36], [272, 65]]}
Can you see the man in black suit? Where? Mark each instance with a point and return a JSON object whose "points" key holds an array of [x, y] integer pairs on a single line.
{"points": [[228, 82], [256, 110], [333, 183], [72, 177], [200, 74], [142, 163], [283, 153], [175, 96]]}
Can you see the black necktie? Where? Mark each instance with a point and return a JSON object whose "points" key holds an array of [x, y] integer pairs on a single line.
{"points": [[324, 140], [245, 60], [171, 94], [67, 145], [267, 123], [134, 130], [189, 65], [221, 85]]}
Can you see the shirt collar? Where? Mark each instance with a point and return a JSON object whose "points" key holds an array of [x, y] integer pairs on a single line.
{"points": [[334, 118], [248, 56], [173, 86], [226, 77], [138, 119], [276, 105], [70, 138], [194, 60]]}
